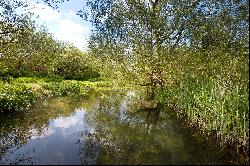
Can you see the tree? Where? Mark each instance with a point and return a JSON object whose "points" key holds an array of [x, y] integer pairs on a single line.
{"points": [[138, 31], [43, 50], [72, 64], [14, 28], [222, 24], [24, 48], [12, 25], [147, 28]]}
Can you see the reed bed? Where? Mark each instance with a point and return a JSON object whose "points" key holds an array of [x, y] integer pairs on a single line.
{"points": [[212, 90]]}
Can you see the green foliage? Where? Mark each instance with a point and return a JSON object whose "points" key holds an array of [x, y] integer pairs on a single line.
{"points": [[136, 34], [72, 65], [42, 56], [36, 79], [30, 51], [15, 97], [65, 88], [24, 80], [20, 93], [212, 90]]}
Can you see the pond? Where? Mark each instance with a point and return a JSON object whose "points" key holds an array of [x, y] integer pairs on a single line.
{"points": [[105, 127]]}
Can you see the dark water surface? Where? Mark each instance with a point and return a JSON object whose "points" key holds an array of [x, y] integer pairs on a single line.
{"points": [[102, 128]]}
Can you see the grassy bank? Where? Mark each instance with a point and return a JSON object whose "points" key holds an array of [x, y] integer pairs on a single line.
{"points": [[212, 91], [212, 110], [18, 94]]}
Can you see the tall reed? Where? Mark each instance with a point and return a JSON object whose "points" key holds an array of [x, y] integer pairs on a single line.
{"points": [[212, 89]]}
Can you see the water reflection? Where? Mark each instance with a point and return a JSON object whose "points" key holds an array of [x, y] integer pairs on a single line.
{"points": [[105, 128]]}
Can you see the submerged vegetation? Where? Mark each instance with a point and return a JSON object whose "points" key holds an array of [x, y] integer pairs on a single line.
{"points": [[192, 56]]}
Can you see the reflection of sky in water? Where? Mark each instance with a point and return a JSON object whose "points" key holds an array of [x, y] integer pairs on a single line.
{"points": [[66, 122], [75, 121], [56, 145], [46, 132], [106, 132]]}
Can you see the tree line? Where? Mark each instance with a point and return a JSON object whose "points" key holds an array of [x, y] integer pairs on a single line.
{"points": [[27, 49]]}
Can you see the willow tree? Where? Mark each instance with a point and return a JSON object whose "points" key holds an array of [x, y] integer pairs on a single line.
{"points": [[140, 31], [24, 47], [136, 32]]}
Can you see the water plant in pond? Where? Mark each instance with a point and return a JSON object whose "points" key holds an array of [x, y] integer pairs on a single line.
{"points": [[16, 97], [213, 108], [20, 93]]}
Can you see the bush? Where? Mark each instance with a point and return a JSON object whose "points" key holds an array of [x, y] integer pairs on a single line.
{"points": [[24, 80], [67, 87], [15, 97], [20, 93], [73, 66]]}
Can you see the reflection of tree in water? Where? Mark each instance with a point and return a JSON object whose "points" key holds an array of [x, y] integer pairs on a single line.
{"points": [[90, 148], [20, 159], [115, 131], [17, 128], [124, 134], [126, 141], [90, 141]]}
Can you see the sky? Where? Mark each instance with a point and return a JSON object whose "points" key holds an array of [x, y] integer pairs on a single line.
{"points": [[63, 22]]}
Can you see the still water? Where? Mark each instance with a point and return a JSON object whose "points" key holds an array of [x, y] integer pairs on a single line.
{"points": [[105, 127]]}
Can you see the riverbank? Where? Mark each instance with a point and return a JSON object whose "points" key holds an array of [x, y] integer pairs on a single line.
{"points": [[211, 115], [18, 94], [218, 114]]}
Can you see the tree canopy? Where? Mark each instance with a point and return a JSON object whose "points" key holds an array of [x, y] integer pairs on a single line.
{"points": [[145, 32], [168, 23]]}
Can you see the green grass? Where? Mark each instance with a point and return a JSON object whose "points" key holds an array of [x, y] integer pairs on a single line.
{"points": [[213, 108], [212, 91]]}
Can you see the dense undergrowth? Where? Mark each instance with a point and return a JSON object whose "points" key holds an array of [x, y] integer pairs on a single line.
{"points": [[18, 94]]}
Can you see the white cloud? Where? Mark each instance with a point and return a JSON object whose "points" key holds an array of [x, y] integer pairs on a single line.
{"points": [[77, 39], [70, 26], [44, 12], [66, 122], [72, 32], [70, 14], [46, 132], [65, 25]]}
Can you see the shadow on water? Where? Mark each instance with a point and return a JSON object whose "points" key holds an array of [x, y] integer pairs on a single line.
{"points": [[108, 127]]}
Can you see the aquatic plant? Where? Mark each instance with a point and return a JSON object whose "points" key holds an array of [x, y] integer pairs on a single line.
{"points": [[21, 92], [15, 97], [212, 91]]}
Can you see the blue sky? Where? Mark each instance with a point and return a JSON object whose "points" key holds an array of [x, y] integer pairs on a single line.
{"points": [[63, 23]]}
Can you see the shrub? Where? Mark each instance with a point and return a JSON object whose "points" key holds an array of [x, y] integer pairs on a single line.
{"points": [[16, 97], [73, 66]]}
